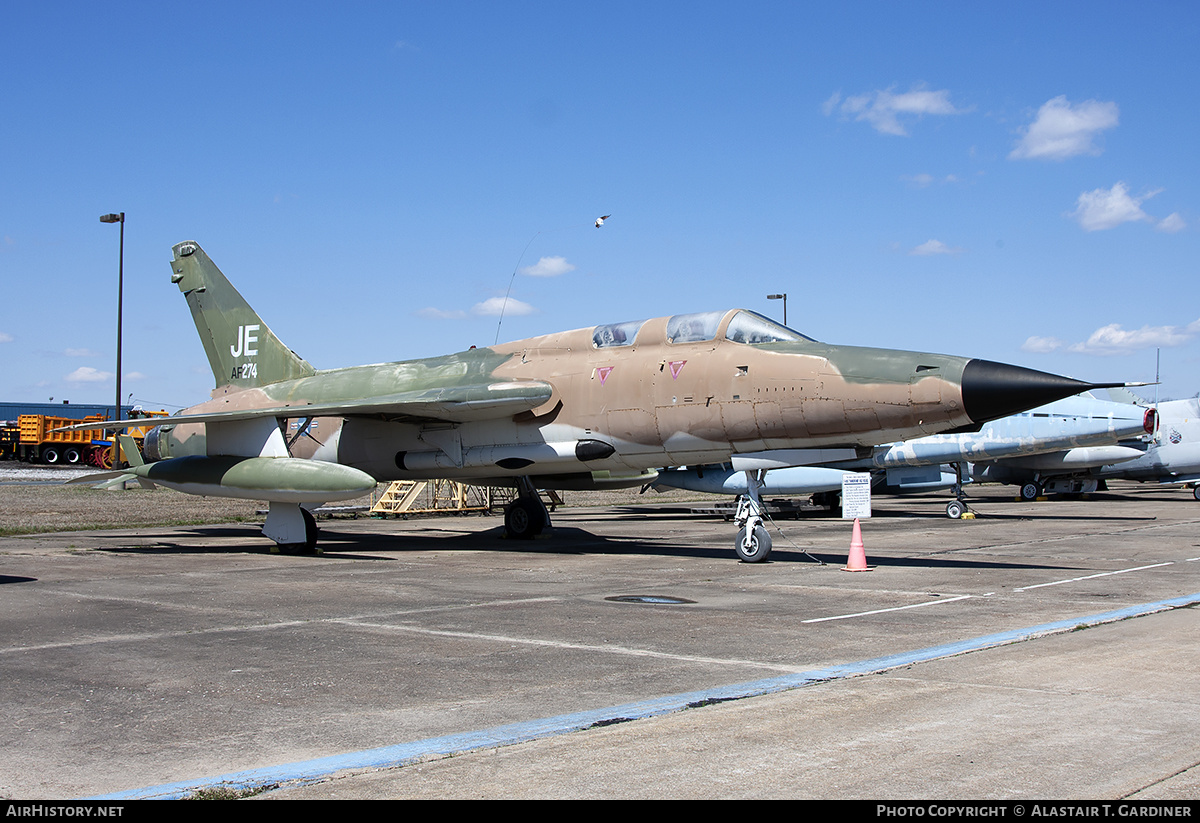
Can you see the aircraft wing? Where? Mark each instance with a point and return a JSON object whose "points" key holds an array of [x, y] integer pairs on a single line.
{"points": [[452, 404]]}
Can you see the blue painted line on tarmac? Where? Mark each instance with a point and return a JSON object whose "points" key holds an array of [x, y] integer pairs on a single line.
{"points": [[404, 754]]}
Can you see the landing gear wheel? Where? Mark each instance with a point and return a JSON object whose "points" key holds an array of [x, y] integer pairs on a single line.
{"points": [[524, 519], [1031, 491], [754, 547], [955, 509], [309, 546], [1196, 492], [310, 531]]}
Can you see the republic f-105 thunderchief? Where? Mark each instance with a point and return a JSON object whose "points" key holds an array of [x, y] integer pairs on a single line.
{"points": [[590, 408]]}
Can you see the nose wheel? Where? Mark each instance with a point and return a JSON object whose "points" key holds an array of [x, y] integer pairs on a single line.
{"points": [[753, 544]]}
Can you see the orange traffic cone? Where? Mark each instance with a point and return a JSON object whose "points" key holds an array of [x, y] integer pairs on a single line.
{"points": [[857, 562]]}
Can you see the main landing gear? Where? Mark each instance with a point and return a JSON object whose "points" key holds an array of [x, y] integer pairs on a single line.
{"points": [[292, 527], [753, 544], [957, 507], [526, 517]]}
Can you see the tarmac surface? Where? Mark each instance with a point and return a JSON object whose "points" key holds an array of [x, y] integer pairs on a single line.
{"points": [[1042, 650]]}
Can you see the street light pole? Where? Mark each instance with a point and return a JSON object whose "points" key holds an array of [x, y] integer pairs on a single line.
{"points": [[119, 218], [782, 297]]}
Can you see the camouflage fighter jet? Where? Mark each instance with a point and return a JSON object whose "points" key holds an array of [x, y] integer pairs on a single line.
{"points": [[590, 408]]}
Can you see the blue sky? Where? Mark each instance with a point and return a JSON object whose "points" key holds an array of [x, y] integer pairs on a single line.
{"points": [[1012, 181]]}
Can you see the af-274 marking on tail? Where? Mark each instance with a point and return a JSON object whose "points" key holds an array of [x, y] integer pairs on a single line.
{"points": [[242, 351]]}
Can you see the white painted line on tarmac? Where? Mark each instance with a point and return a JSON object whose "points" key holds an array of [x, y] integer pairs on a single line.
{"points": [[893, 609], [403, 754], [1093, 576], [563, 644]]}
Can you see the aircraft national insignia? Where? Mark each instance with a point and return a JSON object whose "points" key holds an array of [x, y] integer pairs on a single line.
{"points": [[676, 367], [603, 372]]}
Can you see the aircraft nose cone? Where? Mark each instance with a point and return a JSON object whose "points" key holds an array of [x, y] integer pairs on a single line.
{"points": [[993, 390]]}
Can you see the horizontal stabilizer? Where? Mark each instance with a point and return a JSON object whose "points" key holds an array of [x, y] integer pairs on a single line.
{"points": [[98, 477]]}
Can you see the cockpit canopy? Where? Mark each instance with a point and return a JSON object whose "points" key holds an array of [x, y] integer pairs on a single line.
{"points": [[744, 327]]}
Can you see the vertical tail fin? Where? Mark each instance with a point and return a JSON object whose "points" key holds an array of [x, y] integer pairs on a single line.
{"points": [[242, 351]]}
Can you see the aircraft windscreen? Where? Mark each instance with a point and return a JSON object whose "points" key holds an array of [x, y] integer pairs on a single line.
{"points": [[748, 327], [616, 334], [692, 328]]}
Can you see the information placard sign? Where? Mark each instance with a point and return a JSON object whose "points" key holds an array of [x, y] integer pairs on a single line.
{"points": [[856, 495]]}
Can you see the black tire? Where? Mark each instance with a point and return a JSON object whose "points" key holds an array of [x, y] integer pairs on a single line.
{"points": [[1031, 491], [1196, 492], [50, 456], [309, 546], [523, 520], [954, 510], [310, 531], [756, 549], [72, 455]]}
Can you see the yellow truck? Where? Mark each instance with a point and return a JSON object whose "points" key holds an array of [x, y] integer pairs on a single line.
{"points": [[39, 440]]}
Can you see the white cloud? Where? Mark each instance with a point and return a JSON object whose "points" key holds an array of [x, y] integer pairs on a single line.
{"points": [[920, 180], [1112, 339], [883, 109], [5, 337], [442, 314], [924, 180], [80, 353], [930, 247], [1042, 345], [495, 306], [1108, 208], [1171, 223], [1062, 130], [135, 375], [548, 267], [86, 374]]}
